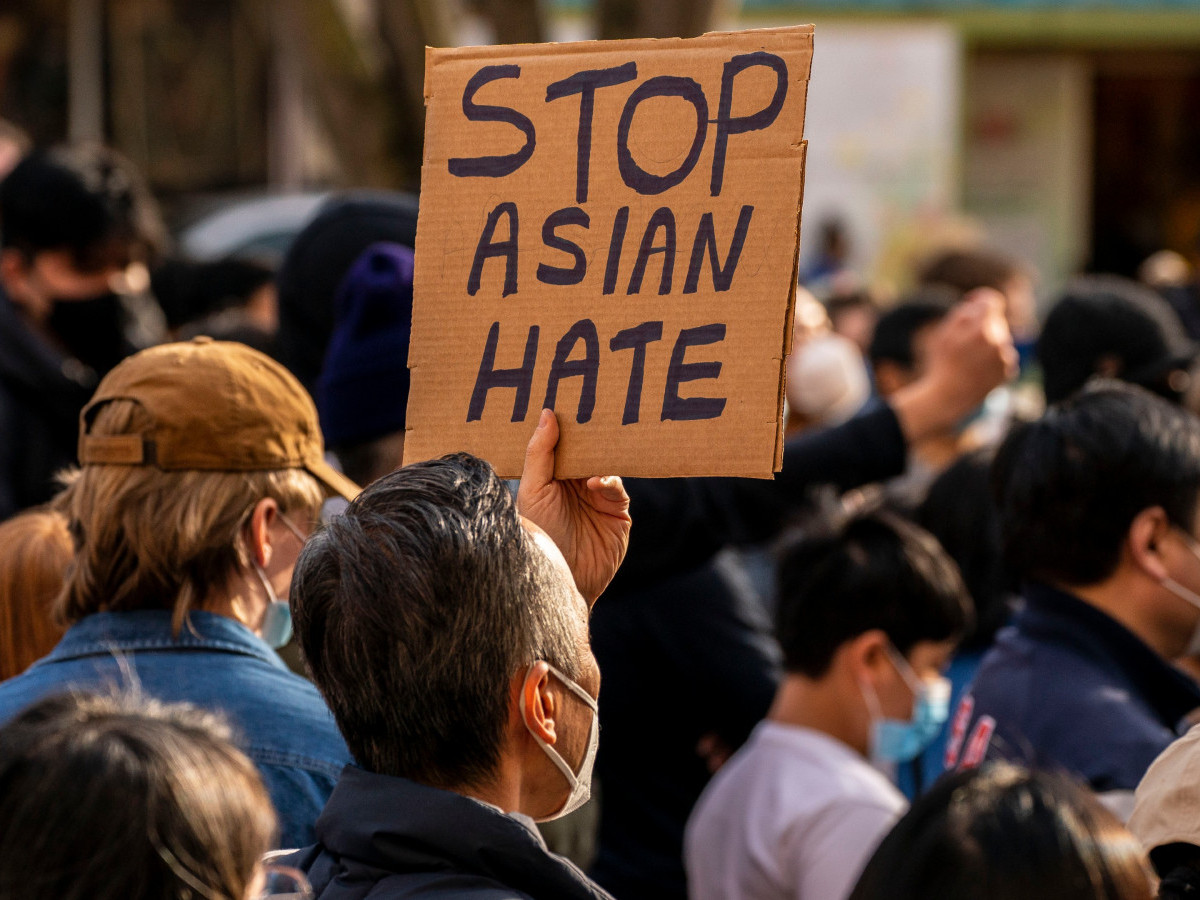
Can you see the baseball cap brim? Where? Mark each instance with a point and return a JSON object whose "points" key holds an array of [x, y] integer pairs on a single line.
{"points": [[337, 484]]}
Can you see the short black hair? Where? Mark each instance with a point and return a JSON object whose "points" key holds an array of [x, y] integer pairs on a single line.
{"points": [[1069, 485], [416, 608], [1001, 832], [840, 303], [960, 511], [896, 328], [1103, 321], [190, 291], [87, 200], [876, 570]]}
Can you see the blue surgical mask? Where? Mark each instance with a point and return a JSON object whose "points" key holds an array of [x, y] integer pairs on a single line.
{"points": [[276, 628], [896, 740]]}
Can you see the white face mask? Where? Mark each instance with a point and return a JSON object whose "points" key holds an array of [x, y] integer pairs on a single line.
{"points": [[581, 781], [1190, 596]]}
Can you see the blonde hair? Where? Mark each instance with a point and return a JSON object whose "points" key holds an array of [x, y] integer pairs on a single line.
{"points": [[150, 539], [35, 551]]}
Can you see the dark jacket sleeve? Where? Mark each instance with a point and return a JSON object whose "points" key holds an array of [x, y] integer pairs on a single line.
{"points": [[9, 445], [678, 523]]}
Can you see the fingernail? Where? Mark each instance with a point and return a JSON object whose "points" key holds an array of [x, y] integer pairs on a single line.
{"points": [[545, 419]]}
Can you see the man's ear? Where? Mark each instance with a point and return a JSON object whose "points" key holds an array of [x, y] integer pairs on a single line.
{"points": [[1144, 541], [890, 377], [14, 269], [257, 532], [540, 705], [866, 656]]}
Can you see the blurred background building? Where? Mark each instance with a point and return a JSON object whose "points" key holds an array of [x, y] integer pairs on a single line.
{"points": [[1066, 131]]}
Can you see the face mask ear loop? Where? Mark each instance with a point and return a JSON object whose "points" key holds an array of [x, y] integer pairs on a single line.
{"points": [[871, 699], [291, 526], [904, 667], [575, 689], [1185, 594], [272, 597], [555, 756]]}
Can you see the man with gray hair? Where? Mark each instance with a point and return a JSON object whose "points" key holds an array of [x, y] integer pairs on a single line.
{"points": [[449, 636]]}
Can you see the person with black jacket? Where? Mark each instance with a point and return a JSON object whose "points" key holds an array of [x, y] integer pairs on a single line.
{"points": [[449, 637], [72, 220]]}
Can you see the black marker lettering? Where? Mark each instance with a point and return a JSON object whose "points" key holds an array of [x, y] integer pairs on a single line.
{"points": [[706, 236], [588, 367], [586, 84], [493, 166], [572, 215], [727, 125], [487, 248], [615, 245], [690, 409], [665, 219], [635, 339], [490, 377], [662, 86]]}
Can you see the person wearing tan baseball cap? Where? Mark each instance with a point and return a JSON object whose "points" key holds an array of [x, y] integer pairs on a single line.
{"points": [[202, 474], [1166, 817]]}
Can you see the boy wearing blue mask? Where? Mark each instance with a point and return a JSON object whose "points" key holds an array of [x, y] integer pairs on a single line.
{"points": [[868, 618]]}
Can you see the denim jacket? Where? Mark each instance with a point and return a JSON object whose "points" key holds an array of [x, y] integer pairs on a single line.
{"points": [[218, 664]]}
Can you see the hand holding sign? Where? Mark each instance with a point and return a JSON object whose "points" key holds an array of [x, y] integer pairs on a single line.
{"points": [[588, 518]]}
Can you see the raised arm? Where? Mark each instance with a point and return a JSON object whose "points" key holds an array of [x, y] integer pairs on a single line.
{"points": [[684, 521]]}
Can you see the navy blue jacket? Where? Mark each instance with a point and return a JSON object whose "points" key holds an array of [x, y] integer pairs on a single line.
{"points": [[1067, 687], [386, 837], [218, 664]]}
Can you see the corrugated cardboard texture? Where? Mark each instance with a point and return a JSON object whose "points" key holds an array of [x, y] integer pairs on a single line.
{"points": [[515, 234]]}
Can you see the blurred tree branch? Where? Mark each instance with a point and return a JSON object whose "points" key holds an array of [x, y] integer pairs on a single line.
{"points": [[513, 21]]}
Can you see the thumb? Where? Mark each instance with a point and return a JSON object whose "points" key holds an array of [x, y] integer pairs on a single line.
{"points": [[539, 455]]}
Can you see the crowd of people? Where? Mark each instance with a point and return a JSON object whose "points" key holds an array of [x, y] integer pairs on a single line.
{"points": [[951, 650]]}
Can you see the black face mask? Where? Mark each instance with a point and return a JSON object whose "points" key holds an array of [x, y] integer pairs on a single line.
{"points": [[93, 331]]}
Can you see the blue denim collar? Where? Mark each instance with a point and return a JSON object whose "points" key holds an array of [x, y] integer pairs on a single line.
{"points": [[105, 633]]}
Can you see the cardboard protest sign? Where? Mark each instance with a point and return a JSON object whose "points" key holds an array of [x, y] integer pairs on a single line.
{"points": [[610, 229]]}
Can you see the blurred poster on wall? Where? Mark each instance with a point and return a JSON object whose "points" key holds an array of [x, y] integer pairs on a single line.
{"points": [[1027, 157], [883, 116]]}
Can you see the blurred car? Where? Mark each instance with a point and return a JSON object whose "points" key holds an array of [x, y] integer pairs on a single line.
{"points": [[259, 226]]}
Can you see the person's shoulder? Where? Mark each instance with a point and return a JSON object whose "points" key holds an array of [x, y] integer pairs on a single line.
{"points": [[287, 693], [783, 773], [1020, 664]]}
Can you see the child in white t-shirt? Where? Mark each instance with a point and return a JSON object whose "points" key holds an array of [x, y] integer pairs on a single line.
{"points": [[868, 618]]}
